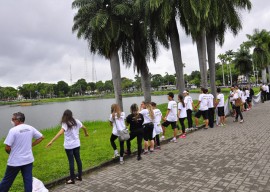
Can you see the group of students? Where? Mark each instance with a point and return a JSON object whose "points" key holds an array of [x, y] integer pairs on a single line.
{"points": [[144, 124]]}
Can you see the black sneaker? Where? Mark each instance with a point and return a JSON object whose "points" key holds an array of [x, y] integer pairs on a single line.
{"points": [[139, 158]]}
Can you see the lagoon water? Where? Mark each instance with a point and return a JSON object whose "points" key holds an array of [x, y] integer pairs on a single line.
{"points": [[49, 115]]}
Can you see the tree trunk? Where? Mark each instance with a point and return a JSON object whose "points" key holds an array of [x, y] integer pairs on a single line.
{"points": [[211, 41], [264, 79], [201, 48], [116, 77], [146, 83], [177, 57], [248, 79]]}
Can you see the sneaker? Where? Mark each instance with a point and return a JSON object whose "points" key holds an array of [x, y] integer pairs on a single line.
{"points": [[183, 136], [145, 152], [116, 155], [242, 120], [128, 152], [162, 138], [151, 151], [122, 162], [235, 120], [157, 148], [205, 127], [173, 140], [187, 129], [139, 158]]}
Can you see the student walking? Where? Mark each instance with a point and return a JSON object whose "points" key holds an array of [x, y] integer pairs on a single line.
{"points": [[220, 106], [211, 109], [203, 109], [189, 106], [237, 96], [135, 123], [117, 121], [148, 126], [157, 125], [170, 117], [182, 114], [71, 127], [19, 147]]}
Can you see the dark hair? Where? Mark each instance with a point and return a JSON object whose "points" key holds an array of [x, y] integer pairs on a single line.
{"points": [[153, 104], [170, 94], [134, 110], [218, 90], [204, 90], [19, 116], [68, 119], [181, 99]]}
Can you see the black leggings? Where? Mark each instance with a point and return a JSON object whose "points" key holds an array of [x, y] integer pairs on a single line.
{"points": [[112, 139], [157, 140], [189, 118], [181, 120], [238, 112], [139, 135], [211, 117]]}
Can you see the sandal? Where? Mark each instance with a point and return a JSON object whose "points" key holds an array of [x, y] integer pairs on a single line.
{"points": [[70, 181], [78, 178]]}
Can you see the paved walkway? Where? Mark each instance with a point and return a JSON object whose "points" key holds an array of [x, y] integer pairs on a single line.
{"points": [[231, 158]]}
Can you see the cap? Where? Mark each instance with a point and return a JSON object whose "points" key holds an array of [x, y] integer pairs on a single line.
{"points": [[185, 91]]}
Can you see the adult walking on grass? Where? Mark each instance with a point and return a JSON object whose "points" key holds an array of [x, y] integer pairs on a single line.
{"points": [[117, 121], [203, 109], [70, 127], [189, 106], [148, 126], [19, 147], [135, 123], [170, 117]]}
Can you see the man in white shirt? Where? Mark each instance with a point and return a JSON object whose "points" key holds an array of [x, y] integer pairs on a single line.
{"points": [[170, 117], [19, 147], [203, 110], [267, 92], [220, 107]]}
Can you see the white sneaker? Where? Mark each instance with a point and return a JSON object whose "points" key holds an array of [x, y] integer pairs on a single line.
{"points": [[122, 162], [162, 138], [188, 129], [242, 120], [173, 140], [116, 155]]}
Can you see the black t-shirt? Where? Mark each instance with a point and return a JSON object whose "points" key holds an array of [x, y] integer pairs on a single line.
{"points": [[135, 125]]}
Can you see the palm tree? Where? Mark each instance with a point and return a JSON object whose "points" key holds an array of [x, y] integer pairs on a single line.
{"points": [[261, 55], [101, 24], [243, 61], [223, 15], [162, 14]]}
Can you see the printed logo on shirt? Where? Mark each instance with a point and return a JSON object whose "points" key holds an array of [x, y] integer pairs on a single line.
{"points": [[24, 130]]}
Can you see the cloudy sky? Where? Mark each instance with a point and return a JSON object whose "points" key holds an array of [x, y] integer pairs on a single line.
{"points": [[37, 44]]}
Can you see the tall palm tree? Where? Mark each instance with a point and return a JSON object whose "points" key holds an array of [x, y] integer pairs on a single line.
{"points": [[163, 13], [243, 61], [261, 55], [223, 15], [101, 24]]}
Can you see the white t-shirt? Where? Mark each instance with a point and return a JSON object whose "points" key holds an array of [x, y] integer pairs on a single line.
{"points": [[203, 98], [210, 100], [231, 96], [247, 93], [158, 116], [267, 88], [146, 116], [172, 116], [118, 123], [188, 102], [220, 97], [19, 139], [183, 110], [72, 139], [236, 95], [157, 126]]}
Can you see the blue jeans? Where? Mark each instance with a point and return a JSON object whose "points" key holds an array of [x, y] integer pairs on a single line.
{"points": [[12, 172], [71, 154]]}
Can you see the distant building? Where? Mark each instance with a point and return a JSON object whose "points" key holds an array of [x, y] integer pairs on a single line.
{"points": [[166, 87]]}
